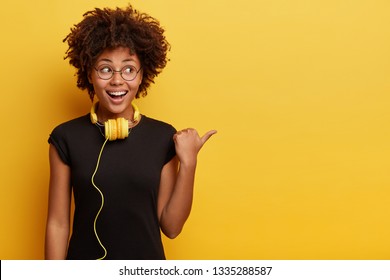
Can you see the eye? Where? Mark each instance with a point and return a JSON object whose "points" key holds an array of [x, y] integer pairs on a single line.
{"points": [[128, 69], [105, 69]]}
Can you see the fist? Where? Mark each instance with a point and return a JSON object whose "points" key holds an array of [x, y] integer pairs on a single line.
{"points": [[188, 144]]}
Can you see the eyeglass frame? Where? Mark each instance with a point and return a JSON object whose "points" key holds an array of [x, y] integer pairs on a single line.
{"points": [[118, 71]]}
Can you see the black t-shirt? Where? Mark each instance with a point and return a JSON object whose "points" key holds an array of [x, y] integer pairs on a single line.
{"points": [[128, 178]]}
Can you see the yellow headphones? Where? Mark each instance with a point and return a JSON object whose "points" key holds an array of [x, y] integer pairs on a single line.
{"points": [[115, 128]]}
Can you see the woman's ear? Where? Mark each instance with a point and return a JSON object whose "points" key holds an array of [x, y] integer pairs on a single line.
{"points": [[141, 76], [90, 78]]}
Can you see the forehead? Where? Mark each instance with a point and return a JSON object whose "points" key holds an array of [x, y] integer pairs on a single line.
{"points": [[118, 55]]}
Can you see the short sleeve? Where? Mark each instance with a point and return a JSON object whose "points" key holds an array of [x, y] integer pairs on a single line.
{"points": [[171, 148], [57, 138]]}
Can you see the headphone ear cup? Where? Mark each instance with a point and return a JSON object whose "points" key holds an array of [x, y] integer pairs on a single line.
{"points": [[122, 128], [116, 129], [93, 116], [111, 130], [136, 112]]}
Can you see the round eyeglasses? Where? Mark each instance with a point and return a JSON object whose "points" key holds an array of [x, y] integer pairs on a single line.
{"points": [[128, 72]]}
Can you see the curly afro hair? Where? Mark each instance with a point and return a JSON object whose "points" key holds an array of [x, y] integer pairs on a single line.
{"points": [[110, 28]]}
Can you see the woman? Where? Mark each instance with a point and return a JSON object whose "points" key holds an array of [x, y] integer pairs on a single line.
{"points": [[132, 176]]}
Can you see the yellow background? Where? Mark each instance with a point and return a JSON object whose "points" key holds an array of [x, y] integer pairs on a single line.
{"points": [[299, 92]]}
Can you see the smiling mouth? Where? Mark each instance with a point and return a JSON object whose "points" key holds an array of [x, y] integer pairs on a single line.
{"points": [[116, 94]]}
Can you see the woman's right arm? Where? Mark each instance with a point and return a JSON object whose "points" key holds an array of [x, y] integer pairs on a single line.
{"points": [[58, 218]]}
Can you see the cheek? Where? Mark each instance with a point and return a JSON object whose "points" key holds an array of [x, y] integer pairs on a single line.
{"points": [[133, 86], [136, 83], [96, 82]]}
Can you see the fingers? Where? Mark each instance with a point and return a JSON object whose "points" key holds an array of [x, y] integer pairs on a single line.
{"points": [[207, 135], [188, 143], [203, 139], [183, 131]]}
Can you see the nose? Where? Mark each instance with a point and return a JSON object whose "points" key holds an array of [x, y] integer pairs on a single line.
{"points": [[116, 78]]}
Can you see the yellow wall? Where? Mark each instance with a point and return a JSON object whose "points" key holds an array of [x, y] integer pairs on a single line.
{"points": [[298, 90]]}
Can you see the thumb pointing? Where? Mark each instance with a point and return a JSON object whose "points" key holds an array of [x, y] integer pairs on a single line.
{"points": [[207, 136]]}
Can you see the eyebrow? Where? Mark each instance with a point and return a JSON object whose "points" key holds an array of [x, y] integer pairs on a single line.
{"points": [[109, 60]]}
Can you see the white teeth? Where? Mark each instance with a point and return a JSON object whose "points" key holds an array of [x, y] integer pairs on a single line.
{"points": [[117, 93]]}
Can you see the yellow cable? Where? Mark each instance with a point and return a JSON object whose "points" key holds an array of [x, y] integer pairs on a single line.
{"points": [[102, 196]]}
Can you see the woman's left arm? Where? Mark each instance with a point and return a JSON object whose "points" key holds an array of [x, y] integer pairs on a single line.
{"points": [[177, 181]]}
